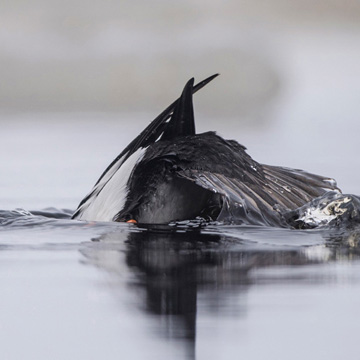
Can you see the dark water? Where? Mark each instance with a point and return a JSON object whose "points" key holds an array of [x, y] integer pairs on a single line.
{"points": [[121, 291]]}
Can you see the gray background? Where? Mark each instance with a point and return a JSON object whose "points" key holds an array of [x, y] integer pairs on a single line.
{"points": [[79, 79]]}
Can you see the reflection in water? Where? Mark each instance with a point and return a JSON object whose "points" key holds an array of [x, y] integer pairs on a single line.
{"points": [[167, 265], [173, 268]]}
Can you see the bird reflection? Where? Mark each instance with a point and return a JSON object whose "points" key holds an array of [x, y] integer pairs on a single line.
{"points": [[168, 267], [172, 268]]}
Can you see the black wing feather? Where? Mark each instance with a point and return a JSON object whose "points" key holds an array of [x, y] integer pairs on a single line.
{"points": [[264, 196]]}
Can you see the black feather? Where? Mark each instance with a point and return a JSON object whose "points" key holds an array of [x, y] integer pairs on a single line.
{"points": [[182, 121]]}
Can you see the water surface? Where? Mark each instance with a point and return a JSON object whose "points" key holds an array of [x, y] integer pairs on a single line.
{"points": [[89, 290]]}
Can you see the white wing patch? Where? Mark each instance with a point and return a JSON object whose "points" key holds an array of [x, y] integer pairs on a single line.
{"points": [[320, 215], [109, 196]]}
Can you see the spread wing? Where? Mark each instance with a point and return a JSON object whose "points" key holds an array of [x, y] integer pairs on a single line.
{"points": [[265, 194]]}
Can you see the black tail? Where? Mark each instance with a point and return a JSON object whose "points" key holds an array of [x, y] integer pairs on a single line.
{"points": [[181, 122], [152, 132]]}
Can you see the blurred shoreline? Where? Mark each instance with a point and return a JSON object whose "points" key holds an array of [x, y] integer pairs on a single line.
{"points": [[131, 57]]}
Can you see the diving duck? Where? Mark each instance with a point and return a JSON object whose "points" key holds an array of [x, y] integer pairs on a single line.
{"points": [[170, 173]]}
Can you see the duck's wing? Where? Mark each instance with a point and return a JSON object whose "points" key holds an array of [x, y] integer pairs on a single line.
{"points": [[298, 186], [176, 120], [263, 195]]}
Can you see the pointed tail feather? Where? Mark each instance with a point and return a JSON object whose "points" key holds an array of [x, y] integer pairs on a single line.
{"points": [[182, 121], [155, 129]]}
